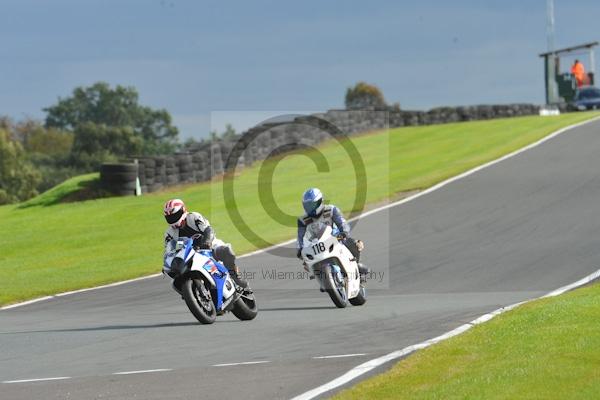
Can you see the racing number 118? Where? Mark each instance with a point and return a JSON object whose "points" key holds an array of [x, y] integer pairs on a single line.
{"points": [[319, 247]]}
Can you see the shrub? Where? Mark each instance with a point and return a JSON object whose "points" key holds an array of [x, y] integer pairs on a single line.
{"points": [[18, 178], [364, 96]]}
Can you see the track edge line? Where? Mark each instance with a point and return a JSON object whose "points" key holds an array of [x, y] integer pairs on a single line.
{"points": [[376, 362]]}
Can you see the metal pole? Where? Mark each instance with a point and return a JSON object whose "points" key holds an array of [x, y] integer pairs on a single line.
{"points": [[550, 24], [551, 83]]}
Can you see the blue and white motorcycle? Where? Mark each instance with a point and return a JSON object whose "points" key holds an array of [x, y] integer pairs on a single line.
{"points": [[205, 284]]}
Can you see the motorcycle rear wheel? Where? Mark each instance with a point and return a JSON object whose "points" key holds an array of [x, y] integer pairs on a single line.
{"points": [[198, 299], [361, 298]]}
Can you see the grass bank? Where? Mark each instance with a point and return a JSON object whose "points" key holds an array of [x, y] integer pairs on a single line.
{"points": [[547, 349], [49, 248], [69, 190]]}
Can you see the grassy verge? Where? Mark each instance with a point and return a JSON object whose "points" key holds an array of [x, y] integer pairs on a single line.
{"points": [[66, 190], [45, 250], [547, 349]]}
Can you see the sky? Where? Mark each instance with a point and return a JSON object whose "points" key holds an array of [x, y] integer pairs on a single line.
{"points": [[213, 62]]}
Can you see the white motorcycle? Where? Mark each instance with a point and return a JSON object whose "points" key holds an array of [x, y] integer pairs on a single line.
{"points": [[333, 265], [205, 284]]}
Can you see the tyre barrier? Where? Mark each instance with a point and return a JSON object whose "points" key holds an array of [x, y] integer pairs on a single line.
{"points": [[148, 165], [186, 170], [119, 179], [160, 171], [216, 161], [206, 160], [170, 162], [171, 170], [200, 166], [172, 180]]}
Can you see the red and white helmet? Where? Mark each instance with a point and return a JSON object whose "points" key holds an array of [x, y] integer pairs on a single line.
{"points": [[175, 213]]}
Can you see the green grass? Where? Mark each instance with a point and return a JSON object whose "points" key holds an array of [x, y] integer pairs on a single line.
{"points": [[50, 249], [59, 193], [547, 349]]}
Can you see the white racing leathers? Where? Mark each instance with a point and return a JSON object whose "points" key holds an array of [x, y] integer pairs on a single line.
{"points": [[334, 266], [331, 216], [196, 224]]}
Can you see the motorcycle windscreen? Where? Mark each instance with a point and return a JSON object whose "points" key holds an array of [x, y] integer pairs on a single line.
{"points": [[315, 231], [175, 245], [171, 250]]}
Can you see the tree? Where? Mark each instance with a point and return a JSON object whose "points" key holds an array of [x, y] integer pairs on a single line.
{"points": [[18, 178], [50, 142], [230, 133], [38, 139], [95, 143], [364, 96], [114, 108], [47, 150]]}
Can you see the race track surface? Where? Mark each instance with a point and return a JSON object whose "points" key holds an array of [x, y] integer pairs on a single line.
{"points": [[510, 232]]}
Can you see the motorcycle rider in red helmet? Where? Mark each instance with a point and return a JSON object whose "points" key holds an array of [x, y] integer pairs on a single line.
{"points": [[194, 225]]}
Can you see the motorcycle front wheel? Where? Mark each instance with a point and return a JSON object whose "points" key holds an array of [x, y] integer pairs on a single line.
{"points": [[199, 300], [245, 307], [336, 287]]}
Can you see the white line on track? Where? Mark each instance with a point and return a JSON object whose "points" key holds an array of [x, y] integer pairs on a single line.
{"points": [[376, 362], [340, 356], [373, 211], [581, 282], [58, 378], [78, 291], [241, 363], [143, 371], [27, 302]]}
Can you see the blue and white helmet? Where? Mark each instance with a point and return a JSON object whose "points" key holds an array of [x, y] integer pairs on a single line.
{"points": [[312, 201]]}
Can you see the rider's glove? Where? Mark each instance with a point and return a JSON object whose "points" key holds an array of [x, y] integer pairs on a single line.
{"points": [[299, 254], [204, 239], [342, 236], [201, 243]]}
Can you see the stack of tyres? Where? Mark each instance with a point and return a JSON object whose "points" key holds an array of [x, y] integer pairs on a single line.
{"points": [[171, 171], [186, 169], [200, 166], [160, 174], [148, 165], [216, 162], [228, 158], [119, 179]]}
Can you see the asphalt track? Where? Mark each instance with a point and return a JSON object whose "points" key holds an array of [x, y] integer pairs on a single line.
{"points": [[516, 230]]}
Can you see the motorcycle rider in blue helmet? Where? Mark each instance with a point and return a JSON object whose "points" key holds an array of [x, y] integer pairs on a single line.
{"points": [[316, 211]]}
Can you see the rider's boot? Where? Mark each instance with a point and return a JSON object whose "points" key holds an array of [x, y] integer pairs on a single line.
{"points": [[356, 247], [242, 283], [311, 276], [363, 271]]}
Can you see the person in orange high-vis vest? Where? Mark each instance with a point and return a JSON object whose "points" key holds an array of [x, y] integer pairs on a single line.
{"points": [[578, 72]]}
